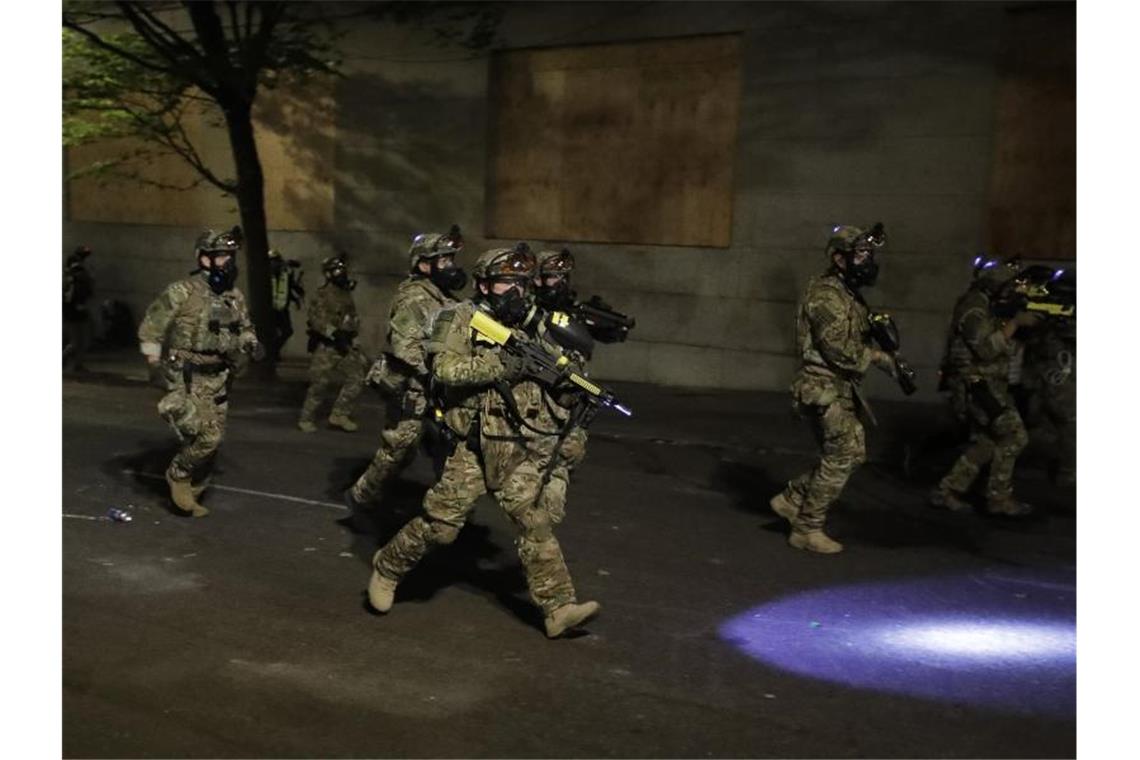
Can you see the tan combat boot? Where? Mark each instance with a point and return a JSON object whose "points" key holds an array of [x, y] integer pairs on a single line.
{"points": [[381, 592], [814, 541], [201, 487], [1008, 506], [344, 423], [569, 616], [182, 494], [784, 507], [946, 498], [306, 426]]}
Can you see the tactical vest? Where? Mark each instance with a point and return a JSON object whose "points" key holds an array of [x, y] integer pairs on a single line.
{"points": [[207, 322]]}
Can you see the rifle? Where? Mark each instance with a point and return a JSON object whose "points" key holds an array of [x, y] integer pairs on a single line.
{"points": [[885, 332], [604, 324], [541, 365], [1046, 291]]}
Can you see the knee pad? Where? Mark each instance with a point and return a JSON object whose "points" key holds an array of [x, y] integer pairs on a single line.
{"points": [[535, 526]]}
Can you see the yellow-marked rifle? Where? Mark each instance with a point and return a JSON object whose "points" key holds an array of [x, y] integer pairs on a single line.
{"points": [[541, 364]]}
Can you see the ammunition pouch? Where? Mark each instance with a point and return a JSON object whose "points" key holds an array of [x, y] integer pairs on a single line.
{"points": [[389, 375]]}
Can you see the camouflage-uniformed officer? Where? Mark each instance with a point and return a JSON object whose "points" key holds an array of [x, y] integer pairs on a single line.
{"points": [[78, 287], [833, 338], [553, 293], [1049, 375], [976, 372], [195, 333], [402, 373], [337, 361], [484, 401], [285, 290]]}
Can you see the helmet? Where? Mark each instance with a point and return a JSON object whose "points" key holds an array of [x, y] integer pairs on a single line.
{"points": [[846, 238], [274, 254], [991, 272], [556, 296], [555, 262], [429, 245], [333, 264], [213, 242], [850, 241], [78, 255], [516, 263]]}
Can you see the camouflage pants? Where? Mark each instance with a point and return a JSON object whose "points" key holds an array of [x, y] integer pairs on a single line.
{"points": [[841, 439], [553, 497], [329, 371], [403, 429], [1057, 403], [198, 415], [996, 441], [445, 509]]}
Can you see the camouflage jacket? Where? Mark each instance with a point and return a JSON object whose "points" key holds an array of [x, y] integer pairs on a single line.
{"points": [[193, 323], [416, 302], [1050, 354], [331, 310], [977, 347], [833, 341]]}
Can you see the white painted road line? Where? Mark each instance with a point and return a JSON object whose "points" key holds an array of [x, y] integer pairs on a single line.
{"points": [[251, 492]]}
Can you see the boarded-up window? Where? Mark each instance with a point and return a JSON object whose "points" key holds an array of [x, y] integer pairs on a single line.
{"points": [[618, 143], [1033, 190]]}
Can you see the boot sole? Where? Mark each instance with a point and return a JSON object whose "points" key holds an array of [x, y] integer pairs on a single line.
{"points": [[575, 622], [796, 542]]}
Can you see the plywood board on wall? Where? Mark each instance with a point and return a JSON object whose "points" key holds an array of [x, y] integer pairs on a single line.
{"points": [[620, 143], [1033, 187], [295, 128]]}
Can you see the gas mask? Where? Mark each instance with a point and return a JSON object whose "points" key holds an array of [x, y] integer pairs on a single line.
{"points": [[557, 297], [511, 308], [860, 275], [450, 279], [224, 277], [339, 278]]}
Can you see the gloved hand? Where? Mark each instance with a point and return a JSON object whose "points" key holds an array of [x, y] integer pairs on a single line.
{"points": [[514, 367], [883, 361], [342, 341]]}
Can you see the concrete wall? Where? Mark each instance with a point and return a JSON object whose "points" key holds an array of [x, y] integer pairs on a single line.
{"points": [[850, 113]]}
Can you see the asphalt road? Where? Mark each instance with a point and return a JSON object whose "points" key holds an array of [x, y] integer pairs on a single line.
{"points": [[245, 634]]}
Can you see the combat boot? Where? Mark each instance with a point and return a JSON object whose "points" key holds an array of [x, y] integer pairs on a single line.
{"points": [[344, 423], [200, 488], [381, 592], [182, 494], [569, 616], [306, 426], [1007, 506], [814, 541], [784, 507], [946, 498]]}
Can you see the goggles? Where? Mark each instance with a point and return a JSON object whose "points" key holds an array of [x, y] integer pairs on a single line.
{"points": [[560, 263]]}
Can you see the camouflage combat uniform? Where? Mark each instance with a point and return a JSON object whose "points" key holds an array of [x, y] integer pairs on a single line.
{"points": [[493, 454], [832, 336], [417, 300], [1049, 374], [976, 372], [200, 335], [337, 361]]}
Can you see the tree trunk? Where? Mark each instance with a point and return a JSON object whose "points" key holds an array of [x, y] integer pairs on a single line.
{"points": [[251, 203]]}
